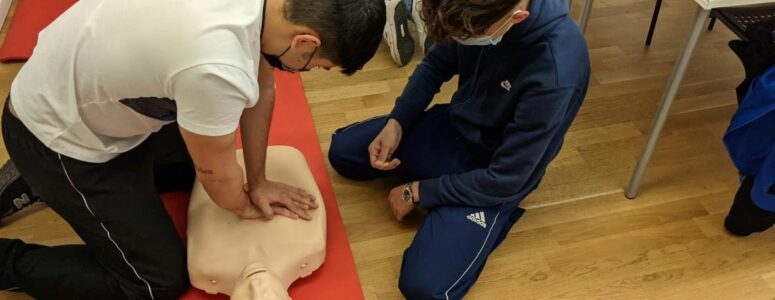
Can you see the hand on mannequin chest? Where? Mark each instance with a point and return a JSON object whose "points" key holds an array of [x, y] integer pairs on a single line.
{"points": [[251, 259]]}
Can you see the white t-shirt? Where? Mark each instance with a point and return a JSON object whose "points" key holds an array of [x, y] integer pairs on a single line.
{"points": [[108, 73]]}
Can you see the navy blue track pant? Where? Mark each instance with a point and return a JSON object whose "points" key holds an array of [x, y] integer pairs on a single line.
{"points": [[453, 243]]}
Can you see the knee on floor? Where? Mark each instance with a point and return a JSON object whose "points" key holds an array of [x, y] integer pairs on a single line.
{"points": [[343, 156], [419, 284], [337, 152], [169, 278], [175, 283]]}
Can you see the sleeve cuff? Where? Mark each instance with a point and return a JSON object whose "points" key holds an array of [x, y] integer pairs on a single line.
{"points": [[206, 130], [429, 194], [404, 117]]}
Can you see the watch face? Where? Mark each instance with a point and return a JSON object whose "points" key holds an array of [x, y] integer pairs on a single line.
{"points": [[407, 195]]}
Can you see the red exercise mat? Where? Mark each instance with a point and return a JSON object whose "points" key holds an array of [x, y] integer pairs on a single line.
{"points": [[30, 18], [292, 125]]}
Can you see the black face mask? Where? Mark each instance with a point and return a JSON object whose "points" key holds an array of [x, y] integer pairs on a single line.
{"points": [[275, 62]]}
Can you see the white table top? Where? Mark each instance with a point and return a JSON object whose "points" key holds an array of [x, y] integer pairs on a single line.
{"points": [[710, 4]]}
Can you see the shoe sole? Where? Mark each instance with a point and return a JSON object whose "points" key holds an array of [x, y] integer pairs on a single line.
{"points": [[8, 175], [403, 49]]}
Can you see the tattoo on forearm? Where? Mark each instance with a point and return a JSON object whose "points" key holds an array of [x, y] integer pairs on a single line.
{"points": [[203, 170]]}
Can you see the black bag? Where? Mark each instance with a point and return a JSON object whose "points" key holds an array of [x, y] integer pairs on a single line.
{"points": [[757, 54]]}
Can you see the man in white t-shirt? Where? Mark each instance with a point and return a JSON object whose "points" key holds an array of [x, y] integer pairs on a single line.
{"points": [[122, 100]]}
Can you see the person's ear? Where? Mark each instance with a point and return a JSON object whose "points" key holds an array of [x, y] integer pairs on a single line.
{"points": [[305, 40], [519, 16]]}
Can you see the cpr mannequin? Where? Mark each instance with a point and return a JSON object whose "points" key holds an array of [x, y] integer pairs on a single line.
{"points": [[256, 259]]}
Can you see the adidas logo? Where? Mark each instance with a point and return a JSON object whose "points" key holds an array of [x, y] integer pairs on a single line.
{"points": [[21, 201], [478, 218]]}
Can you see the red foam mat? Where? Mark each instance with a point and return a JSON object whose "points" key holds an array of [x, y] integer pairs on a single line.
{"points": [[30, 18], [292, 125]]}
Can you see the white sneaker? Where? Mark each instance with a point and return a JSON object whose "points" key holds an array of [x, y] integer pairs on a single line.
{"points": [[396, 32], [422, 31]]}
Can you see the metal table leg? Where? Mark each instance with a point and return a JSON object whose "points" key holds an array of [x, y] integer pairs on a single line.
{"points": [[585, 12], [701, 16]]}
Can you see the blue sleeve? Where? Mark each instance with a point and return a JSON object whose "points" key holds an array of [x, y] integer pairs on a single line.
{"points": [[530, 142], [750, 135], [439, 65]]}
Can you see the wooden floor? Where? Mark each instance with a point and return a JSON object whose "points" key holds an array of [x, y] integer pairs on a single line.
{"points": [[580, 239]]}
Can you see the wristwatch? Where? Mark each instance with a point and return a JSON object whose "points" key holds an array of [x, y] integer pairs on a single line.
{"points": [[408, 195]]}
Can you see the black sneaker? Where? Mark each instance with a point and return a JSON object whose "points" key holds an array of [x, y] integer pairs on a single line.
{"points": [[15, 194], [396, 32], [745, 217]]}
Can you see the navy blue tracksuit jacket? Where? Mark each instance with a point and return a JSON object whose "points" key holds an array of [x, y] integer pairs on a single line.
{"points": [[544, 65]]}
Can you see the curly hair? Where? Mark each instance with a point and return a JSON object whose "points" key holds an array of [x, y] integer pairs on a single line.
{"points": [[462, 19]]}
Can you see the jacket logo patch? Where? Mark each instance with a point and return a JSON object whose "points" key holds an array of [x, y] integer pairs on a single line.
{"points": [[506, 85]]}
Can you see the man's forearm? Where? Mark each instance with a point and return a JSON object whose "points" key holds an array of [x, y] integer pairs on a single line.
{"points": [[224, 186], [217, 169], [255, 124]]}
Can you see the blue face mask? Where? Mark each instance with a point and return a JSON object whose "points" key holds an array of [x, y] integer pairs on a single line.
{"points": [[489, 39], [481, 41]]}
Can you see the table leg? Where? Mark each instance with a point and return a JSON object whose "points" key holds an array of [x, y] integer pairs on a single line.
{"points": [[653, 25], [585, 12], [701, 16]]}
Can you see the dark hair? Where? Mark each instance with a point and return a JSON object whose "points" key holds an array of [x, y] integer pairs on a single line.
{"points": [[462, 19], [350, 30]]}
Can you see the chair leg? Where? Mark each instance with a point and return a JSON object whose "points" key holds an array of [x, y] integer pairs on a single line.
{"points": [[653, 25], [712, 23]]}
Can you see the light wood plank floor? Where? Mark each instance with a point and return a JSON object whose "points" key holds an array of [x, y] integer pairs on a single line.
{"points": [[580, 239]]}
